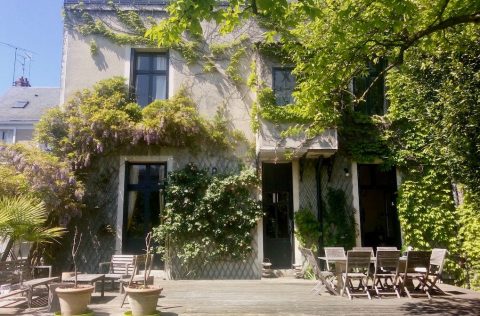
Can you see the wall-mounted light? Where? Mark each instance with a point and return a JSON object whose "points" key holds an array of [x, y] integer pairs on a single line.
{"points": [[214, 170], [347, 173]]}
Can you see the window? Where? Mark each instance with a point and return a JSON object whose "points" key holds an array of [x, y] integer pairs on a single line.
{"points": [[6, 136], [283, 85], [375, 99], [150, 77]]}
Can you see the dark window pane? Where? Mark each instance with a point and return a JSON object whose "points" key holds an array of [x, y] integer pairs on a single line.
{"points": [[283, 85], [143, 62], [142, 89], [136, 174]]}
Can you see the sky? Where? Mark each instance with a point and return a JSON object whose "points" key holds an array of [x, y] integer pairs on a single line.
{"points": [[37, 26]]}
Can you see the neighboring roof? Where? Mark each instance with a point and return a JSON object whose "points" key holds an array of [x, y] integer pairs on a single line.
{"points": [[27, 104]]}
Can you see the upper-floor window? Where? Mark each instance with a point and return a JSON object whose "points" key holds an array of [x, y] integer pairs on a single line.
{"points": [[283, 85], [150, 76], [6, 136], [374, 101]]}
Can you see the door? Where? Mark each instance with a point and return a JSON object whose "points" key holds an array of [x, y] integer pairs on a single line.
{"points": [[278, 219], [378, 211], [144, 202]]}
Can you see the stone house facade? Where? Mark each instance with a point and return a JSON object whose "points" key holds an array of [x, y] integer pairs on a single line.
{"points": [[296, 173]]}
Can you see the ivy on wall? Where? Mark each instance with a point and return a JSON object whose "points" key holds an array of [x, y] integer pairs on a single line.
{"points": [[208, 218]]}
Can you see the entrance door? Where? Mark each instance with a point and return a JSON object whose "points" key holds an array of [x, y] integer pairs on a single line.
{"points": [[278, 220], [378, 211], [143, 203]]}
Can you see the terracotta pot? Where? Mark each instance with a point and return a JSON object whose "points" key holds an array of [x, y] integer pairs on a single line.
{"points": [[143, 301], [74, 301]]}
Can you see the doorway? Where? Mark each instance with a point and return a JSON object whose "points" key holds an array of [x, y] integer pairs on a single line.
{"points": [[144, 202], [378, 211], [278, 219]]}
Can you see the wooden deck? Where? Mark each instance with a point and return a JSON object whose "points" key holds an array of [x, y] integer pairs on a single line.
{"points": [[282, 296]]}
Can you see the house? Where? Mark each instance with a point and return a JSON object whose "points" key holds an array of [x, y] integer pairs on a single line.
{"points": [[297, 172], [21, 107]]}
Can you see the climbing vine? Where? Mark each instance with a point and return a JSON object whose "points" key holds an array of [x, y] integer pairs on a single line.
{"points": [[105, 120], [208, 218]]}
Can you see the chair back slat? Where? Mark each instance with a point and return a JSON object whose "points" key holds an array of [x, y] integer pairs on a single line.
{"points": [[363, 249], [387, 259], [122, 264], [357, 259], [417, 259], [308, 254], [333, 252], [437, 260], [386, 248]]}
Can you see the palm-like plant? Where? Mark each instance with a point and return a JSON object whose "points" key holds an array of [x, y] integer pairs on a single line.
{"points": [[23, 218]]}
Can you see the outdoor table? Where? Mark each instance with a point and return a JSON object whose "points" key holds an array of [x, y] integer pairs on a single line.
{"points": [[340, 264], [89, 279]]}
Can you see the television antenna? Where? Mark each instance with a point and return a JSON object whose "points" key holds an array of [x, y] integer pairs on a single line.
{"points": [[24, 57]]}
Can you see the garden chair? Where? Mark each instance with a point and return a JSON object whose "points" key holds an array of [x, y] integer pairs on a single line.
{"points": [[416, 268], [333, 252], [16, 277], [386, 268], [437, 260], [324, 277], [119, 267], [357, 268], [138, 278]]}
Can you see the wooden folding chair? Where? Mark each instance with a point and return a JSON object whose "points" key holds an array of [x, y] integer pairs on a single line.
{"points": [[416, 268], [386, 268], [437, 260], [141, 262], [357, 268], [324, 277]]}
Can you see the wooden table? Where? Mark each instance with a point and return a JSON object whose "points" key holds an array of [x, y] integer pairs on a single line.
{"points": [[89, 279]]}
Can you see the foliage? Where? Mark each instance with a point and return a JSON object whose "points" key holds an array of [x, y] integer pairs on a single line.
{"points": [[24, 219], [307, 229], [469, 226], [339, 222], [38, 173], [104, 120], [208, 218]]}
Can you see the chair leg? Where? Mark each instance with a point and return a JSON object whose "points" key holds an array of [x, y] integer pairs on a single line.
{"points": [[123, 300]]}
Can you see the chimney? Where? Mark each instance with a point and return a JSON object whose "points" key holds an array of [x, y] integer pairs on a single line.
{"points": [[22, 82]]}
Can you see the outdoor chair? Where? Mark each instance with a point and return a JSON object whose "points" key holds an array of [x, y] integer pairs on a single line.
{"points": [[119, 267], [325, 278], [138, 278], [333, 252], [16, 278], [386, 268], [357, 268], [416, 268], [437, 260]]}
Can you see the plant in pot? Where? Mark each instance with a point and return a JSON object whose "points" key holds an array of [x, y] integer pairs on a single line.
{"points": [[143, 297], [74, 300]]}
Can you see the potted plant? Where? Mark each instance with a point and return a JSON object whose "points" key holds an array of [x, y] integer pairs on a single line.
{"points": [[141, 296], [74, 300]]}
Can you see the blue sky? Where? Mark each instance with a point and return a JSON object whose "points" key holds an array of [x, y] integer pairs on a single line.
{"points": [[35, 25]]}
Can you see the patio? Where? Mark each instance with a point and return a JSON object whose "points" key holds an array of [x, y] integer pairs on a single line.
{"points": [[282, 296]]}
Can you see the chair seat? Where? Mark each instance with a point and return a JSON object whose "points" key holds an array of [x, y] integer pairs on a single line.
{"points": [[355, 275], [115, 276]]}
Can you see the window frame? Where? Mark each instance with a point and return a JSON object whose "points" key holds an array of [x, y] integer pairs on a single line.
{"points": [[151, 72]]}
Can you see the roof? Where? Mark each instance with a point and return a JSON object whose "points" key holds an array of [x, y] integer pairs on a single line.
{"points": [[27, 104]]}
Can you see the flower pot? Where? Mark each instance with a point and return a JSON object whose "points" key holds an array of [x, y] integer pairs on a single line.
{"points": [[74, 301], [143, 301]]}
